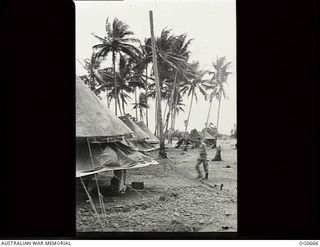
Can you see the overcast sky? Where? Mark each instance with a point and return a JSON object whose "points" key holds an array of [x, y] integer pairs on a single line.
{"points": [[211, 24]]}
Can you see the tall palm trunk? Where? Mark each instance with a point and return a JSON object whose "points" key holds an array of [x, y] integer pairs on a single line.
{"points": [[174, 110], [118, 99], [211, 99], [165, 110], [220, 93], [187, 123], [108, 100], [141, 115], [166, 124], [115, 80], [155, 117], [147, 117], [123, 107], [135, 101], [171, 102], [174, 101]]}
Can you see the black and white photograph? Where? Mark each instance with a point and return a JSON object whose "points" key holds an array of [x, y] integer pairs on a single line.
{"points": [[156, 118]]}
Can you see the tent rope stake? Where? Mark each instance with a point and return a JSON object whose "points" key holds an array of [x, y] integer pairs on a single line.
{"points": [[97, 184]]}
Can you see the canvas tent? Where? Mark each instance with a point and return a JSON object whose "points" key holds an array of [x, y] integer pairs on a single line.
{"points": [[207, 138], [92, 118], [194, 134], [95, 122], [139, 141], [151, 137], [206, 135], [108, 157]]}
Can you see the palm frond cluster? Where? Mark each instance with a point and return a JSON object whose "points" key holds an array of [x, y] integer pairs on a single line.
{"points": [[132, 69]]}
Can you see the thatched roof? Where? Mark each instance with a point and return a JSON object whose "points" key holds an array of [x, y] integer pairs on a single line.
{"points": [[139, 133], [152, 138], [206, 135], [92, 118], [194, 134]]}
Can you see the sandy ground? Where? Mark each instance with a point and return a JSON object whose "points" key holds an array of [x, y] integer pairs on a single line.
{"points": [[173, 199]]}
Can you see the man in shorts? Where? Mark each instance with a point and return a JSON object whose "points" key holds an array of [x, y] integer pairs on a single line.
{"points": [[202, 159]]}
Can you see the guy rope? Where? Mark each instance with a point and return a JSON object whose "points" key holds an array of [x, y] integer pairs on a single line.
{"points": [[96, 179]]}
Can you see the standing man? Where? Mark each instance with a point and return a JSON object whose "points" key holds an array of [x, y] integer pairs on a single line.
{"points": [[202, 159]]}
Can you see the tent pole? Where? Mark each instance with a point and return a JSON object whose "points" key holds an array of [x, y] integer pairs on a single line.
{"points": [[96, 179], [92, 204], [162, 150]]}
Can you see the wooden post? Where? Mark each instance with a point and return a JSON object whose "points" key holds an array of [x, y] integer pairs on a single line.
{"points": [[162, 151]]}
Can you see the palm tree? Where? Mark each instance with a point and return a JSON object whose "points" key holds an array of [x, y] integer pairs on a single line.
{"points": [[141, 105], [177, 108], [196, 82], [168, 61], [125, 79], [173, 53], [93, 77], [219, 79], [180, 47], [117, 42], [146, 57]]}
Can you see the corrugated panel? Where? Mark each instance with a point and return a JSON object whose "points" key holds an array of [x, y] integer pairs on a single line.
{"points": [[92, 118]]}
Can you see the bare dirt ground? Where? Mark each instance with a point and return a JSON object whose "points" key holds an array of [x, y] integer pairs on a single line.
{"points": [[173, 199]]}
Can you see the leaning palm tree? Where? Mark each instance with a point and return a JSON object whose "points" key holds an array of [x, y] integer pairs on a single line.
{"points": [[180, 47], [117, 42]]}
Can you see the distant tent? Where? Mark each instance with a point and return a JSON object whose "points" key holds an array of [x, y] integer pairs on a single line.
{"points": [[95, 122], [92, 118], [194, 134], [152, 138], [139, 141], [207, 138], [138, 132], [206, 135]]}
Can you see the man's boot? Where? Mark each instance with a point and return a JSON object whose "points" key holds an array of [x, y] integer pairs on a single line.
{"points": [[206, 177]]}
